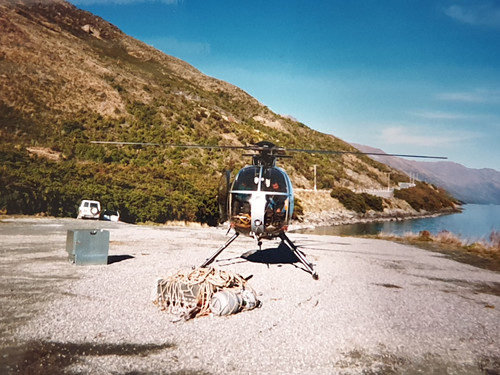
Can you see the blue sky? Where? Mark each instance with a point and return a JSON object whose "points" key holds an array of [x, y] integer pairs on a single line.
{"points": [[406, 76]]}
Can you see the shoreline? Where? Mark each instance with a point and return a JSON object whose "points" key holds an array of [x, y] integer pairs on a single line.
{"points": [[305, 221], [339, 218]]}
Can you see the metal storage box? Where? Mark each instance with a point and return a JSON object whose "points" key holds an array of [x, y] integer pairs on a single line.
{"points": [[87, 246]]}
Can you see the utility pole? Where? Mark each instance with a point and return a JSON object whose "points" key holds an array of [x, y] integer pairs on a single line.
{"points": [[314, 176], [388, 181]]}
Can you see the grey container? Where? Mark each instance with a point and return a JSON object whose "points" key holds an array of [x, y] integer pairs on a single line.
{"points": [[88, 246]]}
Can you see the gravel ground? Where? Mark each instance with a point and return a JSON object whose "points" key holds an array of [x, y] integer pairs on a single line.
{"points": [[377, 308]]}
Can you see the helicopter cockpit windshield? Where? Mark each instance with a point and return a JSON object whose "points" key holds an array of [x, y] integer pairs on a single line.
{"points": [[273, 180], [247, 179], [261, 200]]}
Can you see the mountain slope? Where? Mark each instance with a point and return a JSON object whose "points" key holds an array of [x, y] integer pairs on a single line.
{"points": [[68, 77], [469, 185]]}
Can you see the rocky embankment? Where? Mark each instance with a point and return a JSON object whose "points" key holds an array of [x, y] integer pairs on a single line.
{"points": [[320, 209]]}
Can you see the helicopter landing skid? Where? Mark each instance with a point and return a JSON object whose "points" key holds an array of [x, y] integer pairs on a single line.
{"points": [[216, 254], [299, 255]]}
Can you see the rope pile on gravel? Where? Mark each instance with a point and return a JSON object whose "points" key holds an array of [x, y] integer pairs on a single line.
{"points": [[189, 293]]}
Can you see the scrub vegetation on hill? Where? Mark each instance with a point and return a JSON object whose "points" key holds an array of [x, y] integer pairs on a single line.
{"points": [[357, 202], [426, 197]]}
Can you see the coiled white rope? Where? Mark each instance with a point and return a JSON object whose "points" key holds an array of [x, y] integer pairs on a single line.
{"points": [[188, 292]]}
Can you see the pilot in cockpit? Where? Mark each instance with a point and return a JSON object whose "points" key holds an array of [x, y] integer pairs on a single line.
{"points": [[277, 202]]}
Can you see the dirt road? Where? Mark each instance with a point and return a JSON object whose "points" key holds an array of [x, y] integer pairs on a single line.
{"points": [[378, 307]]}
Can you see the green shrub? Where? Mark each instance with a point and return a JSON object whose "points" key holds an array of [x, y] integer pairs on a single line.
{"points": [[33, 185], [425, 197], [298, 209], [357, 202]]}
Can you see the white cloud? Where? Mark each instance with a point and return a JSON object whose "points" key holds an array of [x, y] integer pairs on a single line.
{"points": [[438, 115], [474, 96], [478, 14], [424, 136], [469, 97]]}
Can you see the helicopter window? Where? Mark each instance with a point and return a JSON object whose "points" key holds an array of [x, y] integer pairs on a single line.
{"points": [[247, 179], [273, 180]]}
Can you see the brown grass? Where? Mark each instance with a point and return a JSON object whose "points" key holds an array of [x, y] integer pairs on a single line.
{"points": [[483, 253]]}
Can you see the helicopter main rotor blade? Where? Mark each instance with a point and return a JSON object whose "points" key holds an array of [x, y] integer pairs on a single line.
{"points": [[125, 143], [272, 150], [267, 148], [121, 143], [363, 153]]}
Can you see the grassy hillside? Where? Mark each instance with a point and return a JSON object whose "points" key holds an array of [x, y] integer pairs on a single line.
{"points": [[68, 77]]}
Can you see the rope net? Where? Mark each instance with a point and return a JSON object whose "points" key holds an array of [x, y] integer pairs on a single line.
{"points": [[188, 292]]}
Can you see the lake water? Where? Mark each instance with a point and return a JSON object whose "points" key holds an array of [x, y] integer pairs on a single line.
{"points": [[476, 222]]}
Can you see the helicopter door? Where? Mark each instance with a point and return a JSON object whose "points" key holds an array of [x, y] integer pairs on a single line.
{"points": [[279, 198], [244, 186], [224, 196]]}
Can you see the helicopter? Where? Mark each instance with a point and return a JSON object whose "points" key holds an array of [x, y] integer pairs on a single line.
{"points": [[259, 201]]}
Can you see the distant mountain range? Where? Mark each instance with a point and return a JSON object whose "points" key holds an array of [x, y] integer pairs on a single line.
{"points": [[469, 185]]}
